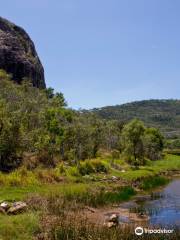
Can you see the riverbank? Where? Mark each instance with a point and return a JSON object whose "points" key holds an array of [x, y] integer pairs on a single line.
{"points": [[49, 192]]}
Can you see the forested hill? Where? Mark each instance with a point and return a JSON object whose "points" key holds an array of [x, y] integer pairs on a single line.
{"points": [[164, 114]]}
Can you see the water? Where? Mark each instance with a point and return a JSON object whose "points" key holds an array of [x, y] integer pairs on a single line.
{"points": [[165, 211], [162, 207]]}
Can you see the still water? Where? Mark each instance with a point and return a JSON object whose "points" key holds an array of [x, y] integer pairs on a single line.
{"points": [[162, 207], [166, 210]]}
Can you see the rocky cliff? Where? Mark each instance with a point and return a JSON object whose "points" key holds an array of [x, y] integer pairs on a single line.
{"points": [[18, 55]]}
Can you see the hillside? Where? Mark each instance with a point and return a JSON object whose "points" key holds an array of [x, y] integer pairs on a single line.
{"points": [[164, 114]]}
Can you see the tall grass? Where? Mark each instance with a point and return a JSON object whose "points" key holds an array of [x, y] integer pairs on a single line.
{"points": [[94, 197], [86, 231], [20, 227], [76, 227], [150, 183]]}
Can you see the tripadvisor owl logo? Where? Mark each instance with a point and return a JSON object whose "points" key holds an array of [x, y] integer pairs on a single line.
{"points": [[139, 231]]}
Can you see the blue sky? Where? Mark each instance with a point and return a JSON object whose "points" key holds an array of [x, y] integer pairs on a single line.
{"points": [[104, 52]]}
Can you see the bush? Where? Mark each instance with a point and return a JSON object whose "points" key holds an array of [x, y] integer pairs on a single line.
{"points": [[48, 175], [115, 154], [156, 181], [86, 168], [99, 166], [73, 171], [173, 152], [60, 168], [19, 177], [92, 166], [46, 159]]}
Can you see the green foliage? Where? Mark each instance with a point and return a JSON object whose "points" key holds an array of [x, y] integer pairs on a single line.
{"points": [[86, 168], [10, 139], [174, 152], [141, 143], [92, 166], [31, 120], [4, 75], [60, 168], [153, 143], [150, 183], [37, 122], [133, 134], [48, 176], [99, 166], [172, 143], [19, 227], [73, 171], [118, 195], [115, 154], [93, 195], [17, 178], [162, 114]]}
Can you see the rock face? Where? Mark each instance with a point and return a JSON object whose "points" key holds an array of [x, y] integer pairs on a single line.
{"points": [[18, 55]]}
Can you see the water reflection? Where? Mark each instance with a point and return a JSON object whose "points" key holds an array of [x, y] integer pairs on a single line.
{"points": [[162, 207]]}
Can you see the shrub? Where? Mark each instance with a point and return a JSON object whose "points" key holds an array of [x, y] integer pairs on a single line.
{"points": [[46, 159], [150, 183], [73, 171], [92, 166], [99, 166], [60, 168], [48, 175], [115, 154], [86, 168]]}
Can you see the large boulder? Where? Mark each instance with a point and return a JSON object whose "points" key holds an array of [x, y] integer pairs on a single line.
{"points": [[18, 55]]}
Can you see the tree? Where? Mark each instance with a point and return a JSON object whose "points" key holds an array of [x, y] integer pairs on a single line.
{"points": [[37, 121], [132, 135], [49, 92], [153, 143], [10, 139]]}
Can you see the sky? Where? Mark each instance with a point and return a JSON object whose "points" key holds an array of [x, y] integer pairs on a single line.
{"points": [[104, 52]]}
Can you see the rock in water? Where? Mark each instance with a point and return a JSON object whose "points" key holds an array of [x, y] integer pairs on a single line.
{"points": [[113, 221], [18, 55], [114, 218]]}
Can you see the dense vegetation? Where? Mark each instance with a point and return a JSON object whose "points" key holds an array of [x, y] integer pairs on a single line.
{"points": [[60, 161], [163, 114], [37, 122], [50, 204]]}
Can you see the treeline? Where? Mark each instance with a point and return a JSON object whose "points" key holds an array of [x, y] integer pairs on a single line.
{"points": [[38, 123], [163, 114]]}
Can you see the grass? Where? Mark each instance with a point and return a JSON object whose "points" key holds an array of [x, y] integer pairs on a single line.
{"points": [[89, 171], [20, 227], [67, 184], [150, 183], [76, 227], [85, 231], [18, 184], [100, 196], [169, 163]]}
